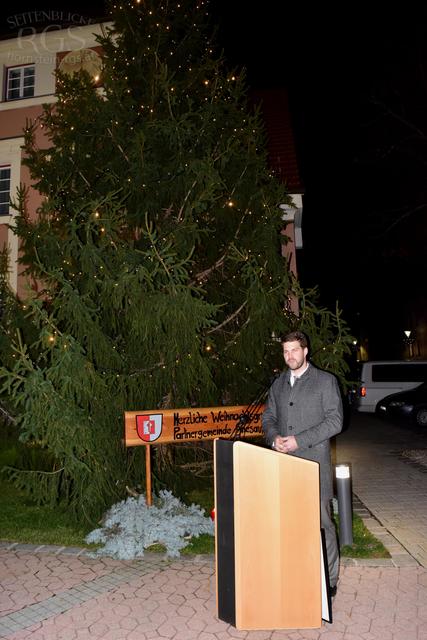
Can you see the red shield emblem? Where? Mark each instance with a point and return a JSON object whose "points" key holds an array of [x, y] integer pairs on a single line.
{"points": [[149, 427]]}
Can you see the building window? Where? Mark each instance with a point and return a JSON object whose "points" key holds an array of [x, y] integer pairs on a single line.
{"points": [[4, 190], [20, 82]]}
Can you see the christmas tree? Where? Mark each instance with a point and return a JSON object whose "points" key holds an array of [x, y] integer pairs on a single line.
{"points": [[157, 248]]}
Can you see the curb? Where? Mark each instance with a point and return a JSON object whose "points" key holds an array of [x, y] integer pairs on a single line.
{"points": [[400, 556]]}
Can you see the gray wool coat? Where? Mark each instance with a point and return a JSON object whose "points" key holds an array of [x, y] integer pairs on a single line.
{"points": [[311, 411]]}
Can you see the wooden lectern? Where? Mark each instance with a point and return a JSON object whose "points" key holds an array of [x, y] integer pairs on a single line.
{"points": [[269, 560]]}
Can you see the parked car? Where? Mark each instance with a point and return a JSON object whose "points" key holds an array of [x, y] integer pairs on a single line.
{"points": [[380, 378], [410, 406]]}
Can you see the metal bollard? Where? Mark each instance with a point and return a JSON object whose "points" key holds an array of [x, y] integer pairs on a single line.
{"points": [[345, 510]]}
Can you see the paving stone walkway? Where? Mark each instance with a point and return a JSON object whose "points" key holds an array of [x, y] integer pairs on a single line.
{"points": [[391, 488], [47, 596]]}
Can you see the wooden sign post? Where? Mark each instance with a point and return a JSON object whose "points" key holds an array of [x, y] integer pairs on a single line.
{"points": [[156, 426]]}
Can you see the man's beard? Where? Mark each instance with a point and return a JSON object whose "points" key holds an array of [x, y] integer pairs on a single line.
{"points": [[295, 364]]}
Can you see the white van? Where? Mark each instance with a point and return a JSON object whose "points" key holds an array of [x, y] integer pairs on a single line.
{"points": [[380, 378]]}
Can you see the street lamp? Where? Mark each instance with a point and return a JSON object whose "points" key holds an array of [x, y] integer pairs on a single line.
{"points": [[409, 341], [345, 511]]}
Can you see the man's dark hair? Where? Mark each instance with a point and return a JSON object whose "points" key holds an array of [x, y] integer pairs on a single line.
{"points": [[296, 336]]}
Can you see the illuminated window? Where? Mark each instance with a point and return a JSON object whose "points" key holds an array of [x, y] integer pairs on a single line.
{"points": [[4, 190], [20, 82]]}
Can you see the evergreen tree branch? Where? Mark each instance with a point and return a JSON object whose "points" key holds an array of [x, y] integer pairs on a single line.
{"points": [[228, 319], [7, 416], [118, 145], [187, 195], [79, 172], [203, 275]]}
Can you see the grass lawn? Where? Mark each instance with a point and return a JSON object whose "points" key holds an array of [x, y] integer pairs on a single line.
{"points": [[365, 544], [23, 521]]}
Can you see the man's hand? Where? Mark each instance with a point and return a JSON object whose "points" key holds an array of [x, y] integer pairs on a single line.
{"points": [[285, 444]]}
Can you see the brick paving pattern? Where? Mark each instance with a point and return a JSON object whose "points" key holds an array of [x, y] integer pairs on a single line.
{"points": [[157, 598]]}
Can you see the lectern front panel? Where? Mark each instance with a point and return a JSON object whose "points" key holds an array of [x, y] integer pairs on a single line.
{"points": [[276, 530]]}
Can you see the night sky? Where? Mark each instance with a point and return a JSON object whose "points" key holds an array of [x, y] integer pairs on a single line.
{"points": [[358, 90]]}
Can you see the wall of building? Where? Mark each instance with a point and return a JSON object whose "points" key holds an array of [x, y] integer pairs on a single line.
{"points": [[44, 50]]}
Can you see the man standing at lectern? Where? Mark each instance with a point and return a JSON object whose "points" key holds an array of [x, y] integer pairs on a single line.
{"points": [[303, 411]]}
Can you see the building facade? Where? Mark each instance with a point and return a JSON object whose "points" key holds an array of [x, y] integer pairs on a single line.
{"points": [[27, 69]]}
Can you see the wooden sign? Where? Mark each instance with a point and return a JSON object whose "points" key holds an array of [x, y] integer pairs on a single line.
{"points": [[155, 426]]}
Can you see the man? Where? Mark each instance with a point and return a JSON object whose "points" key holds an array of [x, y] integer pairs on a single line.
{"points": [[303, 411]]}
